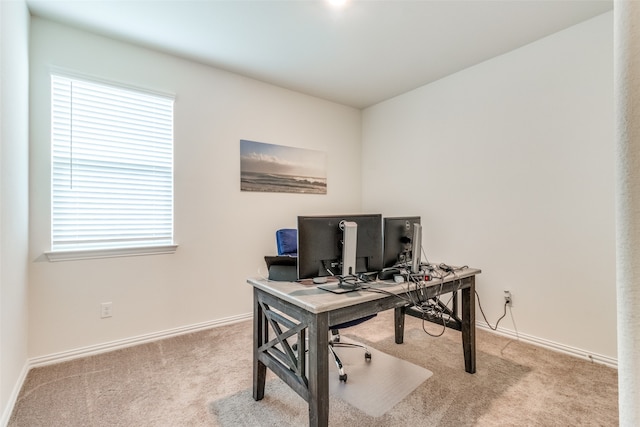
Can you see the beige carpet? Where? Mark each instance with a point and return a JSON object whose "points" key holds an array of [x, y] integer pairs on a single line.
{"points": [[204, 379]]}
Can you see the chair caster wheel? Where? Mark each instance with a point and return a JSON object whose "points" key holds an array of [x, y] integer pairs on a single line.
{"points": [[343, 378], [367, 356]]}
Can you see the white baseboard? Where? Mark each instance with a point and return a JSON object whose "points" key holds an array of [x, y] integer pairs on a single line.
{"points": [[572, 351], [128, 342], [13, 398]]}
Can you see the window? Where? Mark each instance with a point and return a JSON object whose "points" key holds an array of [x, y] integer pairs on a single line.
{"points": [[112, 170]]}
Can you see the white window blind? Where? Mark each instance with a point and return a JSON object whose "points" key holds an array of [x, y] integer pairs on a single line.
{"points": [[112, 167]]}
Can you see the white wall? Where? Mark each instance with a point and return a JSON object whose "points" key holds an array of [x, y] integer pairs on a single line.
{"points": [[513, 157], [223, 233], [14, 152], [510, 164]]}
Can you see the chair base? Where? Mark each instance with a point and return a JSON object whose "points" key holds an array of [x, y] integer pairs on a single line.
{"points": [[335, 342]]}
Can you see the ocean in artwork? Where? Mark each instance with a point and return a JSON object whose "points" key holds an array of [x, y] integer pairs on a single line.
{"points": [[277, 183]]}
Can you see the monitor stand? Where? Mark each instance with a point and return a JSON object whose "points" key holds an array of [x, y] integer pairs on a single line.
{"points": [[337, 289], [344, 286]]}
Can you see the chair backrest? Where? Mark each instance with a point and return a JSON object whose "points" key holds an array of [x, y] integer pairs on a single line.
{"points": [[287, 241]]}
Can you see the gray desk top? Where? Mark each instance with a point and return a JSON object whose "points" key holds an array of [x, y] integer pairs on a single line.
{"points": [[307, 295]]}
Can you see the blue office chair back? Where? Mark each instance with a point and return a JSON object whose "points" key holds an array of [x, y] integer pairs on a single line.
{"points": [[287, 241]]}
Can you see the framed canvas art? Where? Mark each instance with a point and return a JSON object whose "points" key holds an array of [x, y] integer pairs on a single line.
{"points": [[280, 169]]}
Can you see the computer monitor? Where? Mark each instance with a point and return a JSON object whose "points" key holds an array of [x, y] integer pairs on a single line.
{"points": [[321, 244], [402, 242]]}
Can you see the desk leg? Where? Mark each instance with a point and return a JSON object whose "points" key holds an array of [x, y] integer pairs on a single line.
{"points": [[454, 304], [260, 336], [399, 313], [319, 370], [469, 326]]}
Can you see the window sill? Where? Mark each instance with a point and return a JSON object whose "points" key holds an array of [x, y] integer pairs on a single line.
{"points": [[54, 256]]}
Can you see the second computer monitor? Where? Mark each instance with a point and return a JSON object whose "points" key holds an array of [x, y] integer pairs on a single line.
{"points": [[402, 242]]}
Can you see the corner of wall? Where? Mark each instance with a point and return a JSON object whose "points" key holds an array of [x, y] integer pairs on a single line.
{"points": [[14, 205]]}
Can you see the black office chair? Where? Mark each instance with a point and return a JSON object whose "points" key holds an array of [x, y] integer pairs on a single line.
{"points": [[282, 268]]}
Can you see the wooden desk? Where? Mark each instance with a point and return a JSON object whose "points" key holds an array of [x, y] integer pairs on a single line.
{"points": [[290, 309]]}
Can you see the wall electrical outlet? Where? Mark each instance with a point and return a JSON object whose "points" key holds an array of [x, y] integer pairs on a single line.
{"points": [[106, 310], [507, 298]]}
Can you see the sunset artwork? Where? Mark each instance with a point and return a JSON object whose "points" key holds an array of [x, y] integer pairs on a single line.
{"points": [[280, 169]]}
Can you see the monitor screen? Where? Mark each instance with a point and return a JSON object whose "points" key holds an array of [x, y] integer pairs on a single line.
{"points": [[398, 241], [320, 244]]}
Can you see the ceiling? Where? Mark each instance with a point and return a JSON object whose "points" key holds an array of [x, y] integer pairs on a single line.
{"points": [[357, 55]]}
